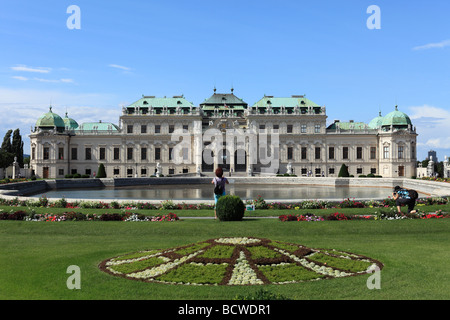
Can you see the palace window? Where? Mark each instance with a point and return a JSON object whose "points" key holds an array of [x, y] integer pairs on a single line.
{"points": [[143, 128], [289, 128], [303, 128], [358, 152], [61, 153], [400, 152], [102, 154], [386, 152], [116, 153], [129, 153], [304, 153], [317, 153], [74, 153], [157, 153], [373, 153], [157, 128], [317, 128], [331, 153], [262, 128], [143, 153], [345, 153], [290, 152], [88, 153], [130, 128]]}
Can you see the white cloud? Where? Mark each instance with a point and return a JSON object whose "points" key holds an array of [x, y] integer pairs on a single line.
{"points": [[54, 80], [119, 67], [435, 45], [429, 112], [432, 127], [44, 80], [438, 143], [31, 69], [20, 78], [20, 108]]}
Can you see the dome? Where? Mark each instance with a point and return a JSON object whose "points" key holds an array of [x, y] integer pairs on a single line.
{"points": [[70, 123], [375, 123], [50, 120], [396, 118]]}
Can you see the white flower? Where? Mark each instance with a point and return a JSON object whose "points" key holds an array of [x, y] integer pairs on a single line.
{"points": [[241, 240], [243, 273]]}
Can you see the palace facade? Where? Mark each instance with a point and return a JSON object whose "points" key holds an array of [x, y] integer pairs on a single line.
{"points": [[275, 135]]}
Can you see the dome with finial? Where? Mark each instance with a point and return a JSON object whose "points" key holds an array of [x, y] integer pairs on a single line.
{"points": [[50, 120], [375, 123], [397, 119], [70, 123]]}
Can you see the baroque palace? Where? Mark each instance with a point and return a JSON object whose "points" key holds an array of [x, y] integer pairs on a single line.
{"points": [[276, 135]]}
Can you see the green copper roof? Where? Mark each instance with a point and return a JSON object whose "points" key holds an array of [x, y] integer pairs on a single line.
{"points": [[292, 102], [223, 99], [98, 126], [375, 123], [151, 101], [50, 120], [348, 126], [396, 118], [70, 123]]}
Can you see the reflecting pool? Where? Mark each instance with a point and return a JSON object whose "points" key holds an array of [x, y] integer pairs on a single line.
{"points": [[205, 192]]}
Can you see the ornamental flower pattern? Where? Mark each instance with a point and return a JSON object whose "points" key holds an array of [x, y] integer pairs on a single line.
{"points": [[238, 261]]}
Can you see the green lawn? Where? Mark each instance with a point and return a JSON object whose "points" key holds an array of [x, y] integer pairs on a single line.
{"points": [[35, 255]]}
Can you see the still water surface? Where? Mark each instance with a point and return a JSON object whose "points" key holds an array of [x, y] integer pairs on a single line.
{"points": [[205, 192]]}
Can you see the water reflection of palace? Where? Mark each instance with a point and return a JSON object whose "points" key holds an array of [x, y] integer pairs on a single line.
{"points": [[176, 134]]}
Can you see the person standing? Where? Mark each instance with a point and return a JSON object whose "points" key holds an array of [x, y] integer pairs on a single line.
{"points": [[219, 182], [403, 197]]}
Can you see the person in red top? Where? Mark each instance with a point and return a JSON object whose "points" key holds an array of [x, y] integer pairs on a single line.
{"points": [[218, 181]]}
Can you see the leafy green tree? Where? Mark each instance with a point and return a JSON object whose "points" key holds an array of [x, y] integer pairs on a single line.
{"points": [[343, 172]]}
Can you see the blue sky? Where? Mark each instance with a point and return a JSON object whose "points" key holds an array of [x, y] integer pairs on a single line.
{"points": [[319, 48]]}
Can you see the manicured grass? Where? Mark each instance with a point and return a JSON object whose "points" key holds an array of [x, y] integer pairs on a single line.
{"points": [[35, 257]]}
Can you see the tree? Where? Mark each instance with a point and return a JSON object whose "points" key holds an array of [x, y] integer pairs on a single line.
{"points": [[101, 172], [17, 147], [343, 172], [6, 158], [6, 144]]}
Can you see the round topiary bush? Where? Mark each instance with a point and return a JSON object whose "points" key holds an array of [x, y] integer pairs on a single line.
{"points": [[230, 208]]}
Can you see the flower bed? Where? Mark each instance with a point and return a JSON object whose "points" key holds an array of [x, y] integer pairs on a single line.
{"points": [[78, 216], [380, 215], [238, 261], [259, 204]]}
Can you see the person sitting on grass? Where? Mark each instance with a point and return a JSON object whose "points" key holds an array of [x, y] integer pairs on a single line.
{"points": [[402, 197], [219, 182]]}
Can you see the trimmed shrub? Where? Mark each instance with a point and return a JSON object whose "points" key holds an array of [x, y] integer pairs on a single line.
{"points": [[101, 172], [230, 208], [343, 172]]}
